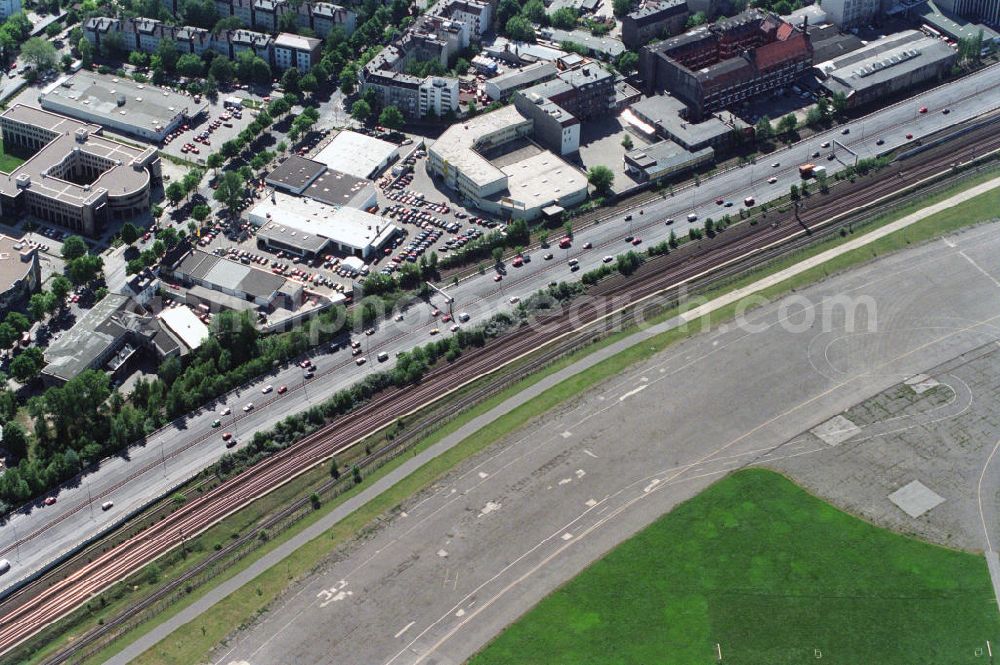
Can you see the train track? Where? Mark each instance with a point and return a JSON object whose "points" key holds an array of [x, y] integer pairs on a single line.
{"points": [[729, 252]]}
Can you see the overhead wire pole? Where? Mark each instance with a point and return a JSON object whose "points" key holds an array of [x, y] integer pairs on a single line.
{"points": [[447, 298]]}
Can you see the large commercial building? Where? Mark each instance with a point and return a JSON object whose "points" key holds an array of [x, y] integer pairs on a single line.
{"points": [[20, 273], [654, 19], [558, 106], [718, 66], [490, 163], [121, 105], [245, 287], [663, 116], [75, 178], [310, 228], [305, 177], [107, 337], [357, 154], [888, 66]]}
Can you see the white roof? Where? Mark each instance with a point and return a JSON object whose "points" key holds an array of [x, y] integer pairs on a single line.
{"points": [[543, 179], [304, 218], [357, 154], [456, 146], [183, 323], [296, 42]]}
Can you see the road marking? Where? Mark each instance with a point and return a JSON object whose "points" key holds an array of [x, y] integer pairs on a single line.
{"points": [[483, 475], [632, 392], [566, 434], [651, 485], [567, 536], [580, 473], [403, 630], [590, 503], [948, 242], [442, 553], [977, 267], [565, 481], [587, 452]]}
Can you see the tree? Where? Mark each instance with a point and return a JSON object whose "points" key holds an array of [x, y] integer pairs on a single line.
{"points": [[290, 80], [506, 10], [497, 255], [814, 117], [261, 71], [190, 65], [621, 7], [27, 364], [86, 50], [356, 474], [201, 212], [84, 268], [601, 177], [763, 130], [73, 247], [168, 54], [534, 11], [696, 19], [230, 191], [793, 192], [563, 18], [222, 70], [309, 83], [391, 117], [61, 287], [627, 142], [39, 53], [138, 59], [838, 101], [787, 125], [175, 192], [18, 321], [519, 29], [628, 62], [349, 79], [15, 439], [360, 110], [199, 13], [334, 469], [39, 304]]}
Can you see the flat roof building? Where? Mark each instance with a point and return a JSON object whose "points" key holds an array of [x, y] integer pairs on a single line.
{"points": [[888, 66], [501, 87], [311, 228], [662, 115], [518, 183], [264, 290], [664, 159], [654, 19], [20, 272], [121, 105], [605, 48], [75, 178], [358, 155], [294, 174], [184, 325]]}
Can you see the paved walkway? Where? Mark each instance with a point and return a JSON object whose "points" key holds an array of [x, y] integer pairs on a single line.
{"points": [[317, 529]]}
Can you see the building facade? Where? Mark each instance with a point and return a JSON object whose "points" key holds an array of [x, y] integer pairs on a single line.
{"points": [[985, 11], [20, 273], [715, 67], [296, 51], [852, 13], [76, 178]]}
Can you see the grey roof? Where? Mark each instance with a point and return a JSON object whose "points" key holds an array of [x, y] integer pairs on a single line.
{"points": [[607, 45], [295, 173], [664, 112], [342, 189], [581, 6], [829, 43], [126, 176], [16, 259], [666, 156], [80, 347], [874, 65], [955, 27], [230, 275], [651, 12], [516, 78]]}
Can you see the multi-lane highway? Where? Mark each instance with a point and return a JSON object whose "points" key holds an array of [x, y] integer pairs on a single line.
{"points": [[35, 537]]}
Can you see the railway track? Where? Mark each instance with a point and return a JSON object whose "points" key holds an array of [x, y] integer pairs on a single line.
{"points": [[729, 253]]}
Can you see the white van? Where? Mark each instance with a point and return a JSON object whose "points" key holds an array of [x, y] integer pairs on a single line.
{"points": [[4, 566]]}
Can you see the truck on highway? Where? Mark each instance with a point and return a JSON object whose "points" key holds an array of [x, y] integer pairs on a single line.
{"points": [[819, 172], [806, 170]]}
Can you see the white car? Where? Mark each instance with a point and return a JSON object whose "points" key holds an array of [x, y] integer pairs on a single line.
{"points": [[514, 300], [608, 259], [225, 412], [266, 389], [399, 317], [248, 407], [772, 180]]}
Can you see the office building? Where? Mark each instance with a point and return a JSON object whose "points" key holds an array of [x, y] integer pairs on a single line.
{"points": [[20, 273], [663, 160], [9, 7], [76, 178], [848, 14], [717, 66], [499, 88]]}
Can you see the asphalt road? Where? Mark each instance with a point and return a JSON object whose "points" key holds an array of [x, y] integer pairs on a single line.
{"points": [[455, 565], [180, 451]]}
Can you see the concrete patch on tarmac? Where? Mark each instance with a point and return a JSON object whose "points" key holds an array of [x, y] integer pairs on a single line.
{"points": [[921, 383], [836, 430], [915, 499]]}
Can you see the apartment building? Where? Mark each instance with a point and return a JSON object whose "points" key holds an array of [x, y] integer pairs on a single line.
{"points": [[657, 19], [296, 51]]}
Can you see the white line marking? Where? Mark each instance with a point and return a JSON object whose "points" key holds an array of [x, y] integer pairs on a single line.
{"points": [[587, 452], [567, 536], [977, 267], [403, 630], [633, 392]]}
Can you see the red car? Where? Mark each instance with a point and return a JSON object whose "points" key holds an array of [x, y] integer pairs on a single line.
{"points": [[497, 277], [282, 390], [518, 262], [636, 241], [226, 436], [909, 136], [446, 318], [923, 109], [49, 500], [305, 363], [435, 311]]}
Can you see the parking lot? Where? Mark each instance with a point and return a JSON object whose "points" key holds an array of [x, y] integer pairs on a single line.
{"points": [[197, 140]]}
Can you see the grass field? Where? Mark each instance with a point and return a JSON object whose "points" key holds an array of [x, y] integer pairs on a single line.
{"points": [[772, 575], [8, 162]]}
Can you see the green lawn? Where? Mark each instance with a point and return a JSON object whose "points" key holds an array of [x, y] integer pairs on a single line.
{"points": [[771, 574], [8, 162]]}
